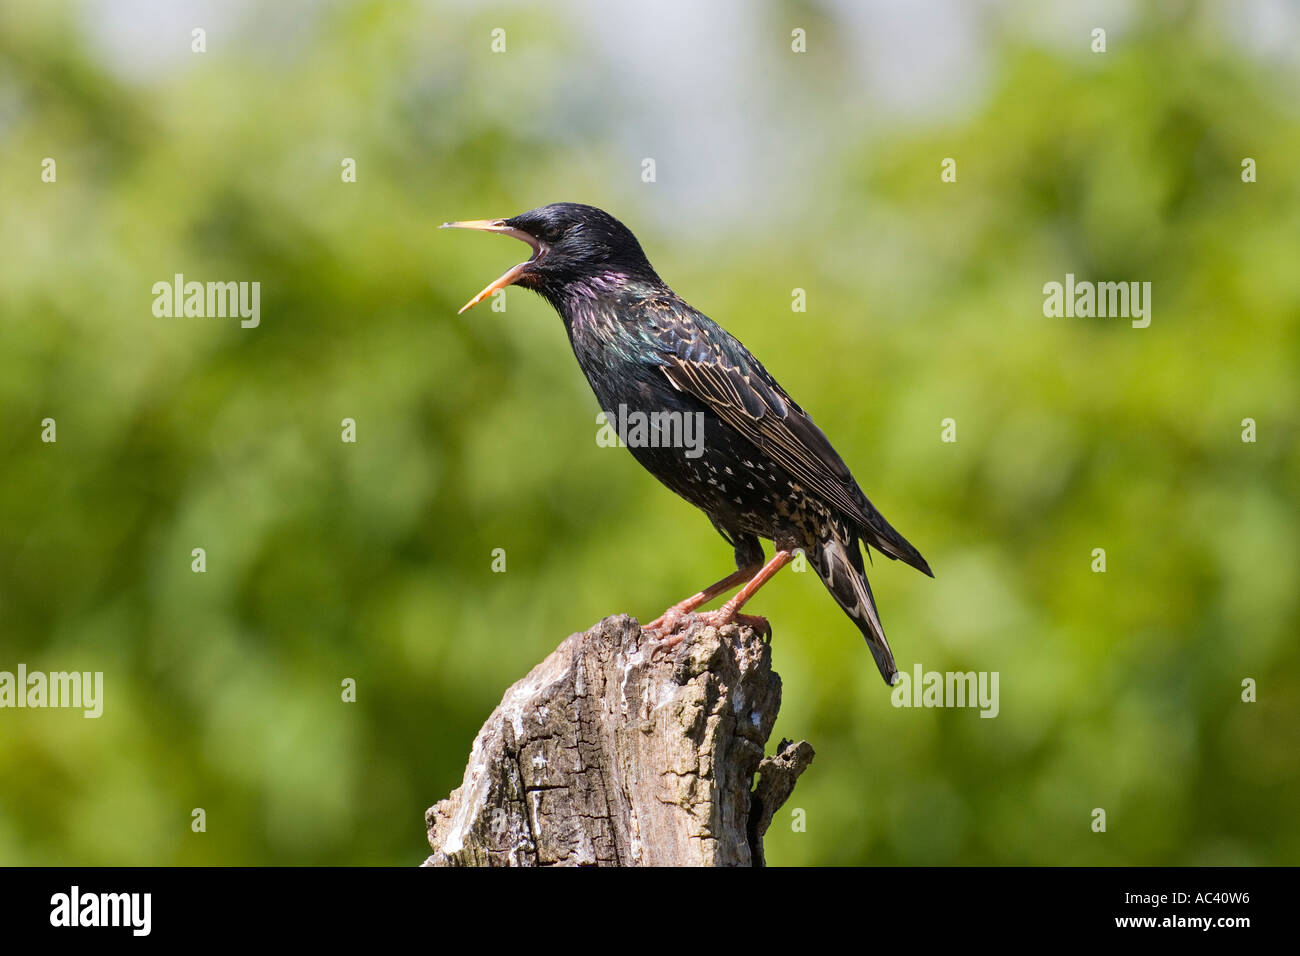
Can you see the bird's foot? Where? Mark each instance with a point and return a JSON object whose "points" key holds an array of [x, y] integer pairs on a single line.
{"points": [[760, 625], [671, 629], [666, 622], [667, 630]]}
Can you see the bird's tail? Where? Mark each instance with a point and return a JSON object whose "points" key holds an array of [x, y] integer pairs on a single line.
{"points": [[839, 564], [880, 534]]}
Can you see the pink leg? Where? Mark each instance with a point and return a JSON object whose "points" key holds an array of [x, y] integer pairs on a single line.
{"points": [[681, 609], [731, 610], [765, 574]]}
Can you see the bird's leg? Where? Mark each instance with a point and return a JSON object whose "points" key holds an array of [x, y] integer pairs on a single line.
{"points": [[730, 611], [670, 618]]}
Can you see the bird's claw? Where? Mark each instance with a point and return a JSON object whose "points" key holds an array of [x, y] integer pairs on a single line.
{"points": [[762, 627], [759, 625], [666, 631], [671, 628], [667, 621]]}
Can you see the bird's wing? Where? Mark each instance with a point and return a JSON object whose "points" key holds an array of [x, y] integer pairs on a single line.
{"points": [[702, 359], [732, 383]]}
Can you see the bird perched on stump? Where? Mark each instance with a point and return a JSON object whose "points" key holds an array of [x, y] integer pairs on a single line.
{"points": [[762, 470]]}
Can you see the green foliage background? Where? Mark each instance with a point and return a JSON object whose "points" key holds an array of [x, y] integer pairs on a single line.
{"points": [[372, 561]]}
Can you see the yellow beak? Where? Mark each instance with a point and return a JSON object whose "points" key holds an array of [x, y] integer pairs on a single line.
{"points": [[514, 272]]}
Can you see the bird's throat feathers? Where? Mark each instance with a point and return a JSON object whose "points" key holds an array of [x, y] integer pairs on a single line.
{"points": [[601, 303]]}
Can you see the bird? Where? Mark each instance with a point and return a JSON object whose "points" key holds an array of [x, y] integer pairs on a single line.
{"points": [[763, 470]]}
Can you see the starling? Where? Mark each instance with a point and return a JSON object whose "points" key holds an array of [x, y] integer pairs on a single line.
{"points": [[762, 469]]}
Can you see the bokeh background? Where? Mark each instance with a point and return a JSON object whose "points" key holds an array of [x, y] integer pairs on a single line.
{"points": [[775, 171]]}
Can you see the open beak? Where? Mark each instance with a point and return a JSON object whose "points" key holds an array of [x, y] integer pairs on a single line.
{"points": [[514, 272]]}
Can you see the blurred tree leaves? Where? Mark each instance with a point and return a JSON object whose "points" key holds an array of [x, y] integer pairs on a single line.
{"points": [[373, 561]]}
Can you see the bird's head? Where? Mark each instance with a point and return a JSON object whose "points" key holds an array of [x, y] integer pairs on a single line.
{"points": [[572, 245]]}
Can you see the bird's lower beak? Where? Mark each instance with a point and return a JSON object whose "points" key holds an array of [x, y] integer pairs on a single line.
{"points": [[514, 272]]}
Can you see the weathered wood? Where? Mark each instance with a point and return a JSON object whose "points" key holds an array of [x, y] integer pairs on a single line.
{"points": [[613, 753]]}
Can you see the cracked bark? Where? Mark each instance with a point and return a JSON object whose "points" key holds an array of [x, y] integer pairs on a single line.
{"points": [[607, 754]]}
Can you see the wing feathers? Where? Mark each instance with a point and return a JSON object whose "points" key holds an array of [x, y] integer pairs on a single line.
{"points": [[721, 373], [772, 421]]}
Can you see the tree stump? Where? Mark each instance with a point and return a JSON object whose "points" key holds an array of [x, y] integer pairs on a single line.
{"points": [[614, 753]]}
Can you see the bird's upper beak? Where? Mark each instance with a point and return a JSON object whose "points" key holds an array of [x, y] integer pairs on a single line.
{"points": [[514, 272]]}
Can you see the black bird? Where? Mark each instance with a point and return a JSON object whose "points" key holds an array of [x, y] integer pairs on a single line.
{"points": [[764, 470]]}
